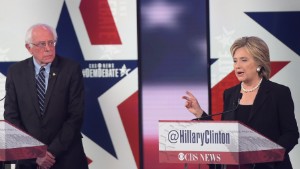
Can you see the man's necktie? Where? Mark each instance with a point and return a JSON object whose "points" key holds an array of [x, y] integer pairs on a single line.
{"points": [[41, 89]]}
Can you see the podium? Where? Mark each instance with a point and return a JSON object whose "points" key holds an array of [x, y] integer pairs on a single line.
{"points": [[214, 142], [18, 145]]}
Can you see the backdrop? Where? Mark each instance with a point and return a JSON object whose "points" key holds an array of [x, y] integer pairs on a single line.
{"points": [[180, 42]]}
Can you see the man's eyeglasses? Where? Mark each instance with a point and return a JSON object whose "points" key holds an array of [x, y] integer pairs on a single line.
{"points": [[43, 44]]}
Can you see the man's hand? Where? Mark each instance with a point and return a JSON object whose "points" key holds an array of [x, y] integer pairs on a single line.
{"points": [[45, 162]]}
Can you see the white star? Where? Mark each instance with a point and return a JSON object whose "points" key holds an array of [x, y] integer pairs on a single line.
{"points": [[161, 14], [3, 52], [226, 39], [124, 70]]}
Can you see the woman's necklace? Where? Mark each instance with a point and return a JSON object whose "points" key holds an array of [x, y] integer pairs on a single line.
{"points": [[250, 90]]}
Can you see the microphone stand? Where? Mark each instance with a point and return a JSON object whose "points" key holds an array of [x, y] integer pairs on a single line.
{"points": [[3, 98], [224, 112]]}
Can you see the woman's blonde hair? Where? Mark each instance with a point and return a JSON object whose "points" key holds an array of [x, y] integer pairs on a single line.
{"points": [[258, 49]]}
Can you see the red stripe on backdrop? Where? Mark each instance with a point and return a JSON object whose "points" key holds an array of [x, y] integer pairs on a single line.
{"points": [[231, 80], [99, 22], [89, 160], [130, 118]]}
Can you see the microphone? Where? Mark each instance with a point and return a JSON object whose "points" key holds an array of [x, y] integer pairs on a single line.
{"points": [[224, 112]]}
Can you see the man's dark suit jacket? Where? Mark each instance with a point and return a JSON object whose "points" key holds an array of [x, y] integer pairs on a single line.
{"points": [[60, 126], [272, 115]]}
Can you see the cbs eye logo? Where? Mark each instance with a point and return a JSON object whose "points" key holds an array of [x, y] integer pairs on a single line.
{"points": [[181, 156], [188, 157]]}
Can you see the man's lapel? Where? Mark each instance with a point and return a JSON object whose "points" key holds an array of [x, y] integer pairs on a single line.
{"points": [[54, 72]]}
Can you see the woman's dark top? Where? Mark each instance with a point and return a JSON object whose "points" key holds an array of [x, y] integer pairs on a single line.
{"points": [[242, 114]]}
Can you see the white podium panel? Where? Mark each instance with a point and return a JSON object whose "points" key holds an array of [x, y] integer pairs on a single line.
{"points": [[17, 145], [214, 142]]}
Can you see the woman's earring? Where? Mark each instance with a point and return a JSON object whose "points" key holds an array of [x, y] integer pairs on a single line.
{"points": [[258, 69]]}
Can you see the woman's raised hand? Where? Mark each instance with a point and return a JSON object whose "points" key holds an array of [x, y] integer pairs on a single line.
{"points": [[192, 104]]}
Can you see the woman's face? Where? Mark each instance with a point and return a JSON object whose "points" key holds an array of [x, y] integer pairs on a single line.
{"points": [[245, 66]]}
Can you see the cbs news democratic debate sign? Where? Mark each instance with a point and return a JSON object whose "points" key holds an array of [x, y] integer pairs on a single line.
{"points": [[214, 142]]}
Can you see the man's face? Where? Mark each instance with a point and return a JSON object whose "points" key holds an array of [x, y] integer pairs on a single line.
{"points": [[42, 47]]}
